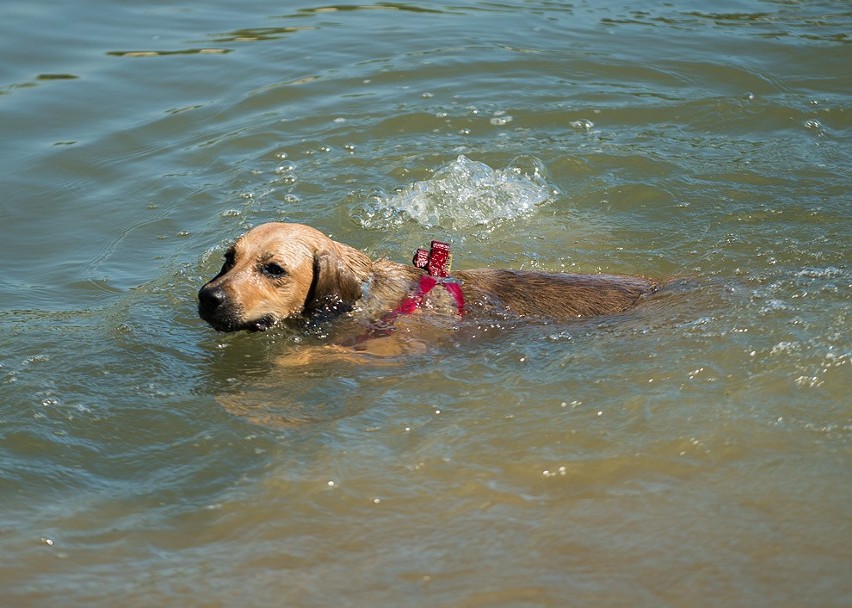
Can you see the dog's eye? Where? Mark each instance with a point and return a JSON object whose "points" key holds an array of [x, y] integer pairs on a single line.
{"points": [[273, 270], [229, 262]]}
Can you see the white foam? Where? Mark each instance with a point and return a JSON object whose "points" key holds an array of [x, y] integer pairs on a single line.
{"points": [[461, 194]]}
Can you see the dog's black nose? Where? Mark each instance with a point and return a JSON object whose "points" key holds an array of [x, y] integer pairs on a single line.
{"points": [[210, 298]]}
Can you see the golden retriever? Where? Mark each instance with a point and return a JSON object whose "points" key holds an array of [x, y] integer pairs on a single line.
{"points": [[277, 272]]}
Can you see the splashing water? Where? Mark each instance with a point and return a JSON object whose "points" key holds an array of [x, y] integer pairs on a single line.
{"points": [[461, 194]]}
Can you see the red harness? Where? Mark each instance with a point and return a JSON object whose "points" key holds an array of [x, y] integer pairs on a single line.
{"points": [[437, 262]]}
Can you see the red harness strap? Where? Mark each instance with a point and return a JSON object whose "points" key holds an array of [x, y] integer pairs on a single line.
{"points": [[426, 284]]}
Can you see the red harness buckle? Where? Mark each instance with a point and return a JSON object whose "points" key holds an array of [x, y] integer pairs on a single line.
{"points": [[438, 261]]}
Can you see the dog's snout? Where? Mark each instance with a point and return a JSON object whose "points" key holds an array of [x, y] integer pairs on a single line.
{"points": [[210, 298]]}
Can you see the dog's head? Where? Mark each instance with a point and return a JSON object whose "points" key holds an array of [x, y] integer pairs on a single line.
{"points": [[278, 271]]}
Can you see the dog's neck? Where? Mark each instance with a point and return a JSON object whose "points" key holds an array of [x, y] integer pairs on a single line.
{"points": [[388, 281], [346, 279]]}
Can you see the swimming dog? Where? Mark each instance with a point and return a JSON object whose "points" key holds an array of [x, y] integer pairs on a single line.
{"points": [[279, 272]]}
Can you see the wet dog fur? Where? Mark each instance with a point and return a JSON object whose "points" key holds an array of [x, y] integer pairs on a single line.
{"points": [[280, 272]]}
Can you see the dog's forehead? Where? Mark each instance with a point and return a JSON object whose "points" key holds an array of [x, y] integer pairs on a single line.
{"points": [[268, 240]]}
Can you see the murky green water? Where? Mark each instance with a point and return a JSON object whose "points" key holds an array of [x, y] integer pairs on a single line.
{"points": [[694, 452]]}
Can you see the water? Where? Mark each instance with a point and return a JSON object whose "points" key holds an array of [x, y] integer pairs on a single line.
{"points": [[461, 194], [692, 452]]}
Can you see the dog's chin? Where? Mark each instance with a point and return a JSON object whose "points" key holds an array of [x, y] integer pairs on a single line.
{"points": [[230, 325]]}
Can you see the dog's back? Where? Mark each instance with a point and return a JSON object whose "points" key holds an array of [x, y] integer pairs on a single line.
{"points": [[556, 296]]}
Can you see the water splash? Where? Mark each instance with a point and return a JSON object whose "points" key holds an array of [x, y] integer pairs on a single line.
{"points": [[462, 194]]}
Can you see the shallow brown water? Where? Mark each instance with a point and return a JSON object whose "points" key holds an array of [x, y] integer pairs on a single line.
{"points": [[693, 452]]}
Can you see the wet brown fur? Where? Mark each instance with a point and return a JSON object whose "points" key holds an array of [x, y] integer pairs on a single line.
{"points": [[322, 276]]}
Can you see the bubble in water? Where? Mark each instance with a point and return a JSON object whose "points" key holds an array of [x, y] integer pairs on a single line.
{"points": [[500, 118], [583, 125], [461, 194], [499, 121]]}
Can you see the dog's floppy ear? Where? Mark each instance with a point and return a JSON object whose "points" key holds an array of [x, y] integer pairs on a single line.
{"points": [[339, 273]]}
